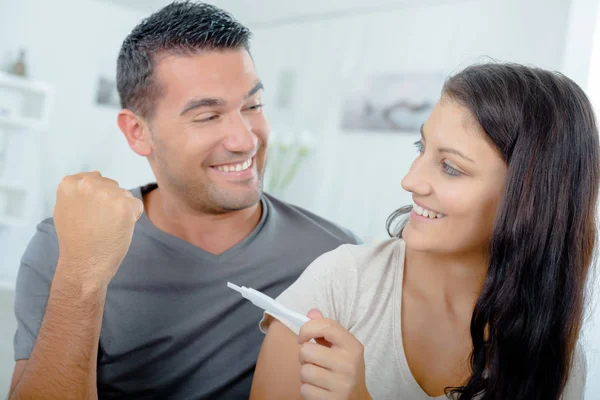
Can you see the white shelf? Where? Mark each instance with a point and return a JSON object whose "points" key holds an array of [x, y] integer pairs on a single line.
{"points": [[12, 222], [14, 204], [23, 84], [22, 123], [24, 104], [12, 185]]}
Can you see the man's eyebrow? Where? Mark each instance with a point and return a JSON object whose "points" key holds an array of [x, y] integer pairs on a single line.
{"points": [[200, 103], [215, 102], [256, 88]]}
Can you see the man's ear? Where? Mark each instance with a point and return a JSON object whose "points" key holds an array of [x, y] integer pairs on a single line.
{"points": [[136, 132]]}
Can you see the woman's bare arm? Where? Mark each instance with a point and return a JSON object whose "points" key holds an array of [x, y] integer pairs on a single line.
{"points": [[277, 374]]}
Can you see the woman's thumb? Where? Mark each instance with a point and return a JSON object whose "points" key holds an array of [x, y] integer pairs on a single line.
{"points": [[315, 314]]}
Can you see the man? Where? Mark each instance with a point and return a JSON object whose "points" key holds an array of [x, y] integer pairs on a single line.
{"points": [[166, 326]]}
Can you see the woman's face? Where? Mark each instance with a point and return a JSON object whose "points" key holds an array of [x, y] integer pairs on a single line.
{"points": [[456, 183]]}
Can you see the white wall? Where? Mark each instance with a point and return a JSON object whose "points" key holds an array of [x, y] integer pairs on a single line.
{"points": [[581, 35], [355, 178], [69, 43]]}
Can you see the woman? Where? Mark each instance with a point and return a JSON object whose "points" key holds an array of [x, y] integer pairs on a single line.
{"points": [[481, 293]]}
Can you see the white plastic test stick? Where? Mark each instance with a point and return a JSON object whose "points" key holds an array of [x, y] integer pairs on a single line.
{"points": [[271, 306]]}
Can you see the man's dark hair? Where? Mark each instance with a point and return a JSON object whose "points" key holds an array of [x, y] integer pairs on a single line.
{"points": [[183, 28]]}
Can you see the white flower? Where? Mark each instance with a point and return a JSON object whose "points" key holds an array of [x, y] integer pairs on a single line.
{"points": [[285, 141], [306, 142]]}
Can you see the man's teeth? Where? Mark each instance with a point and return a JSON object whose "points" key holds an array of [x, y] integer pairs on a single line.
{"points": [[427, 213], [235, 167]]}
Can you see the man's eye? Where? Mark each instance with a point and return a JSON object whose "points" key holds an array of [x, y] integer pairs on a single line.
{"points": [[207, 119]]}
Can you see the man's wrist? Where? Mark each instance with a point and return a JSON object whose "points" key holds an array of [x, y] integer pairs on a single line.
{"points": [[69, 277]]}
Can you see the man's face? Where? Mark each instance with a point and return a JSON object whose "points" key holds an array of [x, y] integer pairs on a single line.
{"points": [[208, 133]]}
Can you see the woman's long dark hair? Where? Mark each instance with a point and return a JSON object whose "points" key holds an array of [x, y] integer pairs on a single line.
{"points": [[527, 320]]}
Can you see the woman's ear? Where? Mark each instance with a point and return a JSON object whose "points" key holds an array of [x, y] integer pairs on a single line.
{"points": [[136, 132]]}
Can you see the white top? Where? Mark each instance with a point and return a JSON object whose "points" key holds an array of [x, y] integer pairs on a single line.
{"points": [[361, 288]]}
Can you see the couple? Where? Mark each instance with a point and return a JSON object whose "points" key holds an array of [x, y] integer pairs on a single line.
{"points": [[478, 294]]}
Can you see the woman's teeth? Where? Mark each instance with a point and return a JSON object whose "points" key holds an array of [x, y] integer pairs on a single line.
{"points": [[427, 213], [235, 167]]}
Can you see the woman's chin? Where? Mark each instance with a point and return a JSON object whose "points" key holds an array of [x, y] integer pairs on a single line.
{"points": [[416, 240]]}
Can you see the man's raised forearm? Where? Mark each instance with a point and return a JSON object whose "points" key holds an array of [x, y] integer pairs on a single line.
{"points": [[63, 362]]}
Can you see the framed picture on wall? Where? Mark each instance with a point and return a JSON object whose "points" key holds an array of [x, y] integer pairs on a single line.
{"points": [[106, 93], [391, 102]]}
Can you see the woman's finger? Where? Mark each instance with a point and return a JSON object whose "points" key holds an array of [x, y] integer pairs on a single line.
{"points": [[327, 329], [316, 314], [319, 355], [310, 392], [317, 376]]}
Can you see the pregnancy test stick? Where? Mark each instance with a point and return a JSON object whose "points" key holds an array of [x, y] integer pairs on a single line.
{"points": [[271, 306]]}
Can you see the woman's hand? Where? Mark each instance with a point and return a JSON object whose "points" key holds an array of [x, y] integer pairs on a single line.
{"points": [[334, 367]]}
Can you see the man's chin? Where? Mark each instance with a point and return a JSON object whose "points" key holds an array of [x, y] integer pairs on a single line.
{"points": [[236, 201]]}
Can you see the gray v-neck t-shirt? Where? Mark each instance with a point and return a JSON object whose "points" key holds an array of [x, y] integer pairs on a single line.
{"points": [[171, 328]]}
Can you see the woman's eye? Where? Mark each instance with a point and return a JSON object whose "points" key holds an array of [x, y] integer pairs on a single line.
{"points": [[419, 145], [451, 171]]}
